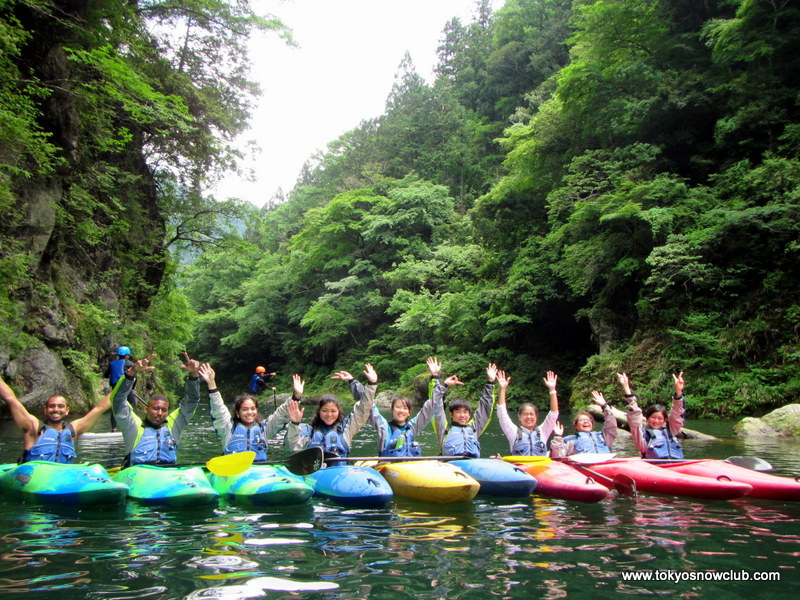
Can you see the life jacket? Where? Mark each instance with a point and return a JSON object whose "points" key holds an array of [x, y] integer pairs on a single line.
{"points": [[529, 443], [461, 440], [247, 438], [661, 444], [53, 445], [153, 446], [588, 441], [401, 441], [257, 384], [116, 369], [330, 440]]}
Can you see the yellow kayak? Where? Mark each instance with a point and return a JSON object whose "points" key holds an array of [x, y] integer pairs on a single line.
{"points": [[429, 480]]}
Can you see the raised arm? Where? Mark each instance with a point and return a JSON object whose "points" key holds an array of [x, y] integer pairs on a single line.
{"points": [[483, 414], [221, 418], [22, 418], [365, 398], [282, 416], [87, 421], [550, 420], [676, 418], [609, 420], [507, 425], [635, 417]]}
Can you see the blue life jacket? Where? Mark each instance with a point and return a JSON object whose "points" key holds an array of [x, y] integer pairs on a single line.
{"points": [[529, 443], [461, 440], [52, 445], [154, 446], [588, 441], [661, 444], [330, 440], [247, 438], [400, 441], [116, 369], [257, 384]]}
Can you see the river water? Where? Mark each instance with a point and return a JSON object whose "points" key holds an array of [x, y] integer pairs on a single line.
{"points": [[490, 548]]}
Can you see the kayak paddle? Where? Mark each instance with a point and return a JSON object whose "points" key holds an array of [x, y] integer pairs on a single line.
{"points": [[305, 462], [332, 458], [624, 484], [748, 462], [231, 464], [528, 460]]}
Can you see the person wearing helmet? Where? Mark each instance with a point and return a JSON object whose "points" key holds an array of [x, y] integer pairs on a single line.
{"points": [[116, 369], [259, 380]]}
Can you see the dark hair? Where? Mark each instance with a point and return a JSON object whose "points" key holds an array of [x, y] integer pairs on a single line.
{"points": [[402, 400], [582, 413], [528, 405], [654, 409], [317, 421], [46, 404], [237, 404], [159, 397], [458, 403]]}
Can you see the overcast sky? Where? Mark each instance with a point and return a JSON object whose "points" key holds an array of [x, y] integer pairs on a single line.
{"points": [[340, 74]]}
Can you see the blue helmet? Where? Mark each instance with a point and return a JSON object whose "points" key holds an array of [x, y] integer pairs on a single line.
{"points": [[123, 351]]}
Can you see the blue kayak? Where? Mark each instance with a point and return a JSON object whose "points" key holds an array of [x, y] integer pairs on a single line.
{"points": [[168, 486], [351, 485], [497, 477], [44, 482], [262, 485]]}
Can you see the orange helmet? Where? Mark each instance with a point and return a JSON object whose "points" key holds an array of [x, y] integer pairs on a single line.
{"points": [[260, 370]]}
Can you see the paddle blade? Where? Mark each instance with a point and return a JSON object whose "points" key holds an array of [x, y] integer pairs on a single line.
{"points": [[591, 458], [749, 462], [231, 464], [305, 462], [625, 485], [528, 460]]}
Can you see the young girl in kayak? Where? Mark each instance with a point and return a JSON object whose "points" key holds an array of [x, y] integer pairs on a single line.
{"points": [[330, 429], [659, 439], [585, 439], [460, 437], [527, 439], [398, 437], [246, 430]]}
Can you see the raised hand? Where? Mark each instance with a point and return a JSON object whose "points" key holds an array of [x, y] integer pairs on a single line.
{"points": [[295, 412], [343, 375], [453, 380], [434, 366], [491, 372], [625, 382], [298, 385], [192, 365], [678, 379], [208, 375], [597, 398], [551, 380], [369, 371], [141, 365], [502, 380], [558, 428]]}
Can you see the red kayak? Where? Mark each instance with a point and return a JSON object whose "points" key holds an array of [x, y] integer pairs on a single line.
{"points": [[558, 480], [655, 480], [771, 487]]}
